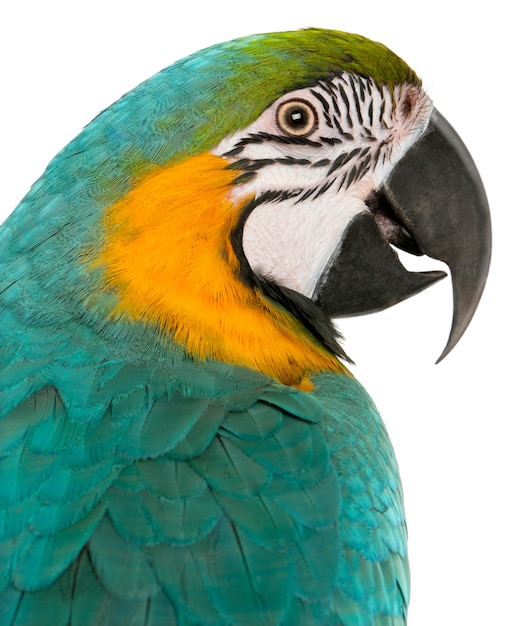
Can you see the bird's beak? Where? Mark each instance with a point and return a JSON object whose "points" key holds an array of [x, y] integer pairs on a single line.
{"points": [[433, 203]]}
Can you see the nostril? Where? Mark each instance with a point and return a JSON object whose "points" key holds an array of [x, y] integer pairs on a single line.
{"points": [[410, 101], [407, 105]]}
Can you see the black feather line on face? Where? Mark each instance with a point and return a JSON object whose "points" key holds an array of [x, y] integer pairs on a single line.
{"points": [[261, 137], [313, 318]]}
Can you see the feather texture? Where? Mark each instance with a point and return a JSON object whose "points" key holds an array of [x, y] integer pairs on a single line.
{"points": [[246, 506]]}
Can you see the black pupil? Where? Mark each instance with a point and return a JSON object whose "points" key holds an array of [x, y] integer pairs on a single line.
{"points": [[297, 117]]}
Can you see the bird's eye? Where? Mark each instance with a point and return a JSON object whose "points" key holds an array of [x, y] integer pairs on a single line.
{"points": [[296, 118]]}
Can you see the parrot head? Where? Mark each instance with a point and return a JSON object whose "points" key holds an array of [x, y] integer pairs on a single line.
{"points": [[242, 197]]}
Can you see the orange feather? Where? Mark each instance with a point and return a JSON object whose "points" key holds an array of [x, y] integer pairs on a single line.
{"points": [[168, 256]]}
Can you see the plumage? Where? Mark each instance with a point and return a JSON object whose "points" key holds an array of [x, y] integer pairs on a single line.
{"points": [[180, 439]]}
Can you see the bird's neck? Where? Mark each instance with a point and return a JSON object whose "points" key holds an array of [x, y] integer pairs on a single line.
{"points": [[168, 258]]}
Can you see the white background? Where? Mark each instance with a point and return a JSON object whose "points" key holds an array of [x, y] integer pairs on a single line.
{"points": [[453, 425]]}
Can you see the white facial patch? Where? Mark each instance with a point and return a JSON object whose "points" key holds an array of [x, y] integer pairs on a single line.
{"points": [[292, 243], [315, 184]]}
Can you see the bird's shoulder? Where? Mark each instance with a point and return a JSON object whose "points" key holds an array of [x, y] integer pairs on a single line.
{"points": [[224, 489]]}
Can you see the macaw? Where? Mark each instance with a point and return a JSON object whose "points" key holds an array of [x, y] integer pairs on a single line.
{"points": [[181, 441]]}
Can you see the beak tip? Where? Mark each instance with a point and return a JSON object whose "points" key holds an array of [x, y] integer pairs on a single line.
{"points": [[444, 354], [462, 315], [452, 342]]}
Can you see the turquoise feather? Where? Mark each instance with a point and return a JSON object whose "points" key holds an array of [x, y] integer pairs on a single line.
{"points": [[292, 500], [141, 487]]}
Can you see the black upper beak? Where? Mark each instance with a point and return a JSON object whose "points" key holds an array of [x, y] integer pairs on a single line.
{"points": [[432, 203]]}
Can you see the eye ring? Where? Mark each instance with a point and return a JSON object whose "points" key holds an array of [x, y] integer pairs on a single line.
{"points": [[296, 118]]}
